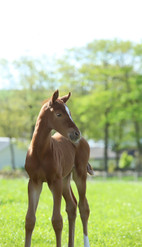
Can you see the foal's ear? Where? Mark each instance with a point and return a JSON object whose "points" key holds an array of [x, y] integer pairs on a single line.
{"points": [[54, 97], [65, 98]]}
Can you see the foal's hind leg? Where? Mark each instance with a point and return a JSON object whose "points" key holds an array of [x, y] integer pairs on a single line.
{"points": [[71, 205], [80, 180], [34, 190]]}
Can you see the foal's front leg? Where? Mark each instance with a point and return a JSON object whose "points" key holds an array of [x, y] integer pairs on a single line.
{"points": [[57, 222], [71, 205], [34, 190]]}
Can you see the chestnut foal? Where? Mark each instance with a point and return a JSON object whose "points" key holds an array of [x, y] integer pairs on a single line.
{"points": [[52, 159]]}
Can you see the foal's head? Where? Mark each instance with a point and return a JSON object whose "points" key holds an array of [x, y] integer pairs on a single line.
{"points": [[59, 117]]}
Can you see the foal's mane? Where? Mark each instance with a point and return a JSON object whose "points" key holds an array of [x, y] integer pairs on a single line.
{"points": [[45, 101]]}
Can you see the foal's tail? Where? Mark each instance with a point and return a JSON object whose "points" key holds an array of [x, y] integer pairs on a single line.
{"points": [[90, 169]]}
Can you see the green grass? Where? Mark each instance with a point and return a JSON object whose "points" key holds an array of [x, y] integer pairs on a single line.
{"points": [[115, 219]]}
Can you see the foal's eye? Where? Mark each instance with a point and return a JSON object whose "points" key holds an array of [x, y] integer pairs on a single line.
{"points": [[58, 114]]}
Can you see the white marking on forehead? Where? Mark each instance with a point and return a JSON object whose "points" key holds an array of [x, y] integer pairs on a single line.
{"points": [[68, 112], [86, 241]]}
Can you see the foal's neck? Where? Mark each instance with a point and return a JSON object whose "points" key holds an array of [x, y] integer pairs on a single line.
{"points": [[42, 135]]}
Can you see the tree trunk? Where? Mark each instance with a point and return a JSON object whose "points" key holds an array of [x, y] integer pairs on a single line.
{"points": [[137, 134], [117, 155], [12, 154], [117, 159], [106, 137], [139, 146]]}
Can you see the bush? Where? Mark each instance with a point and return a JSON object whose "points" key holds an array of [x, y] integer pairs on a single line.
{"points": [[125, 160]]}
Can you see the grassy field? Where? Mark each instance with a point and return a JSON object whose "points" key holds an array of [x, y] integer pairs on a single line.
{"points": [[115, 219]]}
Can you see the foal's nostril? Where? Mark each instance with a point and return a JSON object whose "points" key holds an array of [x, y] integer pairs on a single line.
{"points": [[76, 133], [74, 136]]}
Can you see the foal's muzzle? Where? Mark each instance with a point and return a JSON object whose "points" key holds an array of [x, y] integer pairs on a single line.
{"points": [[75, 136]]}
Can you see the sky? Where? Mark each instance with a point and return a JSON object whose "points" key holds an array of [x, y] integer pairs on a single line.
{"points": [[37, 27]]}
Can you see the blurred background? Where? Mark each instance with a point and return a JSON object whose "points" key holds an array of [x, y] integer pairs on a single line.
{"points": [[90, 48]]}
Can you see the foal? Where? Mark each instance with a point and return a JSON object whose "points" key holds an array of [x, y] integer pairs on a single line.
{"points": [[52, 159]]}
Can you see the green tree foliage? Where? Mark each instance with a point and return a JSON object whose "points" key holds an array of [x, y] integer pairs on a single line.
{"points": [[109, 74], [36, 80]]}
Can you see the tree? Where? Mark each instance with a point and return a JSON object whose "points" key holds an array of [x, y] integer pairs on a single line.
{"points": [[12, 119], [36, 80], [107, 71]]}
